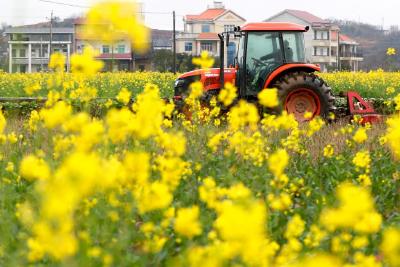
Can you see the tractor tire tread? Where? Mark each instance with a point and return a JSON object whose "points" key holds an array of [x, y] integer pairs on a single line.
{"points": [[291, 81]]}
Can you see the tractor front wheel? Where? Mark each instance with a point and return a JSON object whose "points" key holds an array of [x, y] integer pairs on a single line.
{"points": [[305, 95]]}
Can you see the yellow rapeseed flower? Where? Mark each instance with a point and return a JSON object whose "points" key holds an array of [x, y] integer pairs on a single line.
{"points": [[390, 246], [204, 61], [57, 62], [124, 96], [269, 98], [278, 161], [3, 122], [360, 136], [86, 63], [115, 20], [33, 168], [228, 94], [391, 51], [362, 159], [187, 222], [328, 151]]}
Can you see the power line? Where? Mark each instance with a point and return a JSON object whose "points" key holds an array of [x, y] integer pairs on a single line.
{"points": [[63, 4], [81, 6]]}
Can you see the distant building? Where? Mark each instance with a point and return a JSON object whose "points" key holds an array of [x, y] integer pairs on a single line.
{"points": [[116, 56], [29, 47], [324, 43], [201, 32], [3, 52], [161, 39], [321, 42], [350, 53]]}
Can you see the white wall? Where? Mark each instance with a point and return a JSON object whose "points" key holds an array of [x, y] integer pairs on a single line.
{"points": [[308, 36]]}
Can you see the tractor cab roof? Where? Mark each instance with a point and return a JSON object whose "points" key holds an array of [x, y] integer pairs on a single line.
{"points": [[274, 26]]}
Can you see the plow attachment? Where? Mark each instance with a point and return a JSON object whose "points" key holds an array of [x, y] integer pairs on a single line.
{"points": [[357, 106]]}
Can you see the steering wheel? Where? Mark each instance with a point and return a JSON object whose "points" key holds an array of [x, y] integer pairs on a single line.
{"points": [[259, 62]]}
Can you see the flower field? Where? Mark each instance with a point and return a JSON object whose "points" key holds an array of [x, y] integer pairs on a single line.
{"points": [[140, 184], [139, 187], [372, 84]]}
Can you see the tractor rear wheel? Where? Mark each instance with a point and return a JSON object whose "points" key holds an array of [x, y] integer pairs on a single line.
{"points": [[302, 92]]}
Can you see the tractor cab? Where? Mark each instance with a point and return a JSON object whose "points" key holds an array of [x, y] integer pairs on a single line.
{"points": [[264, 48]]}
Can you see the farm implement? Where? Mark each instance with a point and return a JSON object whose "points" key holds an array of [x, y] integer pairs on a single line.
{"points": [[272, 55]]}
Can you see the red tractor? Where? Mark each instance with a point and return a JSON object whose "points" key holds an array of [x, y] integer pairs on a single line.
{"points": [[271, 55]]}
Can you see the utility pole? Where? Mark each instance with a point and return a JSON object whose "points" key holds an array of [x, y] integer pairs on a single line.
{"points": [[51, 34], [174, 41], [339, 67]]}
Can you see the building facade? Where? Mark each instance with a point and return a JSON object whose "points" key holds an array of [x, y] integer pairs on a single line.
{"points": [[116, 56], [30, 47], [350, 53], [321, 41], [201, 32]]}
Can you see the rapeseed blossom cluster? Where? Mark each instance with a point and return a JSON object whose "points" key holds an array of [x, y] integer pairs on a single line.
{"points": [[111, 21]]}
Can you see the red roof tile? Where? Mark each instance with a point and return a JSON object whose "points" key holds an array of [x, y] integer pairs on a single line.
{"points": [[306, 16], [208, 36], [345, 38], [209, 14]]}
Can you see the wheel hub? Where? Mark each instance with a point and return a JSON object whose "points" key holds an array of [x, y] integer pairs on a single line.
{"points": [[301, 101]]}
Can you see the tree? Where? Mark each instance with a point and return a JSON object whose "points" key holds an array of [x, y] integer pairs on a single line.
{"points": [[163, 60]]}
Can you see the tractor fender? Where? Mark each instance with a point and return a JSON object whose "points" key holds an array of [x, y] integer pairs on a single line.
{"points": [[284, 69]]}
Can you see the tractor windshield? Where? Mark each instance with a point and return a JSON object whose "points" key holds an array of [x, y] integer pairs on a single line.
{"points": [[293, 43], [264, 54]]}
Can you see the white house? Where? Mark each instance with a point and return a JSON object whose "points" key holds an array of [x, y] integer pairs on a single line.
{"points": [[201, 32]]}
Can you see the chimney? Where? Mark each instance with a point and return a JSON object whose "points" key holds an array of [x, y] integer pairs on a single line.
{"points": [[219, 5]]}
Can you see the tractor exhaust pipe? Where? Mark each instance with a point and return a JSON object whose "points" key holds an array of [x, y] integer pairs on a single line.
{"points": [[222, 60]]}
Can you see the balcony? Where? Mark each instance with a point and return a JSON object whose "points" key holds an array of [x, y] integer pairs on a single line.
{"points": [[317, 42], [351, 56]]}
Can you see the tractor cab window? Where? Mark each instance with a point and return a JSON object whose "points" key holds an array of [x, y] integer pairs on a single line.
{"points": [[264, 54], [293, 43]]}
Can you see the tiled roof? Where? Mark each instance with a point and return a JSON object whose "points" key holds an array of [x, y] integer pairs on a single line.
{"points": [[79, 21], [208, 36], [347, 39], [161, 38], [306, 16], [209, 14], [343, 38], [38, 30]]}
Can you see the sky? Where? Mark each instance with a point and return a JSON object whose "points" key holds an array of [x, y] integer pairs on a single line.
{"points": [[20, 12]]}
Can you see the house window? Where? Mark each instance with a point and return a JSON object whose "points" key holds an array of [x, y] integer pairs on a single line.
{"points": [[188, 47], [34, 53], [207, 46], [14, 53], [22, 68], [22, 53], [121, 49], [205, 28], [229, 28], [321, 51], [321, 35], [81, 48], [106, 49]]}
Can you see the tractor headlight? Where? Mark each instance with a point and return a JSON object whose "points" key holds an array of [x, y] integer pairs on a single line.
{"points": [[179, 82]]}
